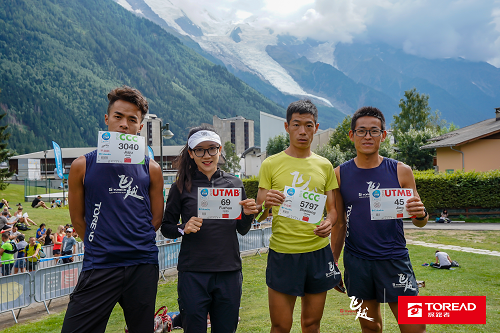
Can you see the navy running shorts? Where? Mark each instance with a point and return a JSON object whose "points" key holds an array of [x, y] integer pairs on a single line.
{"points": [[383, 280], [300, 273]]}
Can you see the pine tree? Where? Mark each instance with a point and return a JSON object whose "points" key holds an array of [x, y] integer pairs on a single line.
{"points": [[4, 154]]}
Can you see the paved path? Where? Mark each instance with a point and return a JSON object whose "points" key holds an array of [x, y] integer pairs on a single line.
{"points": [[454, 247], [455, 226]]}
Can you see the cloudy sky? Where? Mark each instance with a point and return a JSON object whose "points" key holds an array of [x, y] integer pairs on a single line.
{"points": [[429, 28]]}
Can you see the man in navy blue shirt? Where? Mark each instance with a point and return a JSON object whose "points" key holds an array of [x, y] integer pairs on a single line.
{"points": [[376, 261], [116, 210]]}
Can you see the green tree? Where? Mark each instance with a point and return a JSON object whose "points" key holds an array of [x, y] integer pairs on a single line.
{"points": [[415, 112], [232, 164], [409, 151], [340, 139], [332, 153], [4, 155], [277, 144]]}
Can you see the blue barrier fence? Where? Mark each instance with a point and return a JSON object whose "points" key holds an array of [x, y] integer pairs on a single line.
{"points": [[53, 279]]}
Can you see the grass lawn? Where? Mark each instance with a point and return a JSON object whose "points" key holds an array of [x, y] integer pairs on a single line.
{"points": [[485, 240], [51, 217], [477, 276]]}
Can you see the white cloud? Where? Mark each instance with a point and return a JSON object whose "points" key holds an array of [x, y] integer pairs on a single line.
{"points": [[429, 28]]}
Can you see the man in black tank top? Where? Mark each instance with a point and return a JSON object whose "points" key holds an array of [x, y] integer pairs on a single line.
{"points": [[134, 286], [371, 280]]}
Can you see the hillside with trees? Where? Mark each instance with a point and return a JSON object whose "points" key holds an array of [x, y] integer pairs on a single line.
{"points": [[60, 58]]}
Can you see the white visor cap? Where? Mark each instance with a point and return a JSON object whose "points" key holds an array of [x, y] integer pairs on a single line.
{"points": [[202, 136]]}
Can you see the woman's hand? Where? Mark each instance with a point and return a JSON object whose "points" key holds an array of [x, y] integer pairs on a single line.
{"points": [[249, 206], [193, 225]]}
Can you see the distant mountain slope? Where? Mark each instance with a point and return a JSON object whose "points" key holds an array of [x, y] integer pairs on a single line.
{"points": [[465, 92], [59, 59], [327, 81]]}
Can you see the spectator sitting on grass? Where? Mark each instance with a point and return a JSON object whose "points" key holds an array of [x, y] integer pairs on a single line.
{"points": [[7, 254], [14, 233], [21, 248], [4, 222], [4, 203], [23, 217], [68, 246], [40, 232], [37, 202], [443, 260], [48, 238], [58, 202], [9, 215], [52, 204]]}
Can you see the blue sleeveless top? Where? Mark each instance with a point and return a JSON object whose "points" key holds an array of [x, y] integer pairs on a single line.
{"points": [[118, 215], [366, 238]]}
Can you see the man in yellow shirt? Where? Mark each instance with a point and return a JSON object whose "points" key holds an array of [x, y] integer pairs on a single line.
{"points": [[300, 260], [32, 254]]}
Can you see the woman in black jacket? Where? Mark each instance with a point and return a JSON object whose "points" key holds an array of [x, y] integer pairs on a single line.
{"points": [[209, 266]]}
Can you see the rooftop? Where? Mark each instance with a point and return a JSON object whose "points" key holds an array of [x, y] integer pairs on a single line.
{"points": [[465, 135]]}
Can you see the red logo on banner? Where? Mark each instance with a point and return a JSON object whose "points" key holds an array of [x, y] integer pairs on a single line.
{"points": [[305, 218], [442, 310], [225, 216], [69, 278]]}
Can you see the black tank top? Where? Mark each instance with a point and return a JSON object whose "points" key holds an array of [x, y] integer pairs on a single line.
{"points": [[48, 241]]}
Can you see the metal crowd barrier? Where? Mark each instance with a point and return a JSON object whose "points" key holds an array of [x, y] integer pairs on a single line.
{"points": [[53, 279], [15, 293], [57, 281], [253, 240], [168, 255], [267, 232]]}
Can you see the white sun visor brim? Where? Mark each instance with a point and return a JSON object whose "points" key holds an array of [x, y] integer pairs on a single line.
{"points": [[202, 136]]}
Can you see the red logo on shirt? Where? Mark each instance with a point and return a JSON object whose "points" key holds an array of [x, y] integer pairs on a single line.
{"points": [[442, 310], [225, 216], [305, 218], [127, 160]]}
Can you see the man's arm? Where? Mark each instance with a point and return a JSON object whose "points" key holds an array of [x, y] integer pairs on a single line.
{"points": [[325, 228], [414, 205], [76, 195], [156, 193], [339, 229]]}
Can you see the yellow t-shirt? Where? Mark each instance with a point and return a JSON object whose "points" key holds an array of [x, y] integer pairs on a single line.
{"points": [[31, 252], [315, 174]]}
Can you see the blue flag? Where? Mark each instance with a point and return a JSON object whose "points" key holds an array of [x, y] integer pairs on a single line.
{"points": [[58, 157], [151, 153]]}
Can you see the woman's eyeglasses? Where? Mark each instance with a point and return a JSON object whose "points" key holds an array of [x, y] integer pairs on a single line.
{"points": [[200, 152]]}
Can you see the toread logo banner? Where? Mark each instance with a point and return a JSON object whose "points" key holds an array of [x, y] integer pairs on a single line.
{"points": [[442, 310]]}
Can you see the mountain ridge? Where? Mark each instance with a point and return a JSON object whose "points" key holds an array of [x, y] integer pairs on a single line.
{"points": [[59, 59]]}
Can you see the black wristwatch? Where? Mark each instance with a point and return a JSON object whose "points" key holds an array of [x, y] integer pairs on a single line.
{"points": [[423, 217]]}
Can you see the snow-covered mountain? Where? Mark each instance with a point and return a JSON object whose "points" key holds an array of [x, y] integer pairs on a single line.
{"points": [[240, 45], [339, 77]]}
